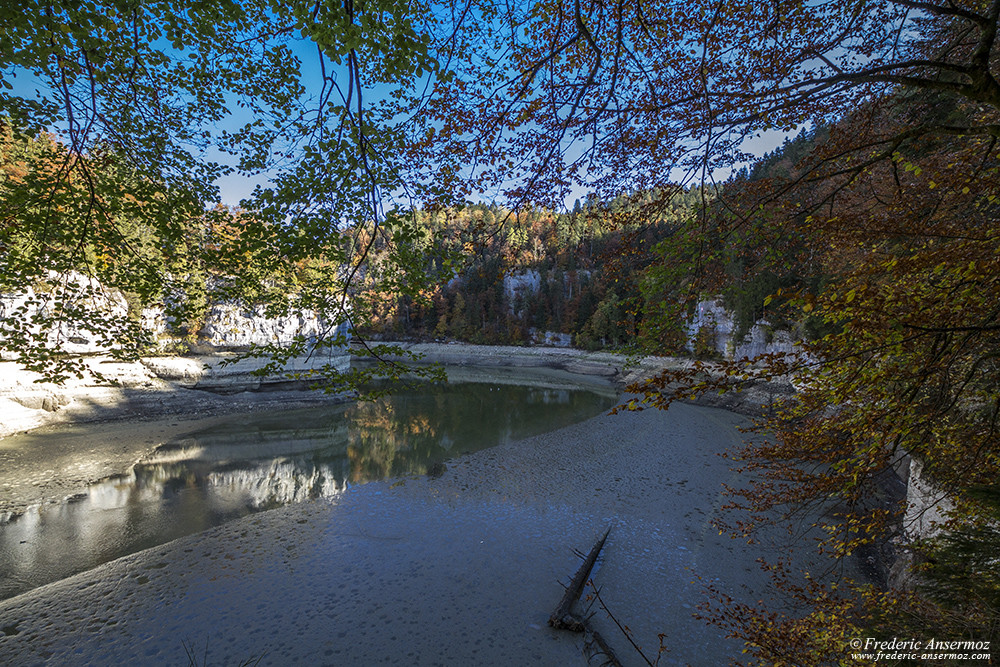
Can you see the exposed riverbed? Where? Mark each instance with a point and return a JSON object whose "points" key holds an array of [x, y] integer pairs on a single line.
{"points": [[459, 569], [462, 567], [243, 464]]}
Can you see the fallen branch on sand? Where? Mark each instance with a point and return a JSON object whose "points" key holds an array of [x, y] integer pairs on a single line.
{"points": [[563, 617]]}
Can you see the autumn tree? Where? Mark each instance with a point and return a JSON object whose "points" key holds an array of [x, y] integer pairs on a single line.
{"points": [[884, 237]]}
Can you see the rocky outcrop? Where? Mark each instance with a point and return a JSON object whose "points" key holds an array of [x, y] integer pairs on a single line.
{"points": [[26, 401], [927, 511], [226, 326], [75, 315], [521, 283], [714, 321], [232, 326], [22, 313], [550, 338], [927, 506]]}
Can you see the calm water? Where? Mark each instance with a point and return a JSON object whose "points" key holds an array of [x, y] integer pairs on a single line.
{"points": [[257, 462]]}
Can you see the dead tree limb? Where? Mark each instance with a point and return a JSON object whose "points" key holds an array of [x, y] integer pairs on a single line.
{"points": [[603, 647], [623, 628], [562, 618]]}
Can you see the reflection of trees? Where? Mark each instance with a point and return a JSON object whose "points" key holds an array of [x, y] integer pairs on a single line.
{"points": [[404, 433], [386, 440]]}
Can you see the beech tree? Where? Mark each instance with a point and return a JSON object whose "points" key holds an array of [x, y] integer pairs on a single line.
{"points": [[886, 233]]}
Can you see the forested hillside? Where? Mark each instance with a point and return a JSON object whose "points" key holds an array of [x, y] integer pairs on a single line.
{"points": [[600, 272], [538, 270], [488, 274]]}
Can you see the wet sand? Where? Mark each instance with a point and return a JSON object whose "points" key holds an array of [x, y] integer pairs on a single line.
{"points": [[462, 569]]}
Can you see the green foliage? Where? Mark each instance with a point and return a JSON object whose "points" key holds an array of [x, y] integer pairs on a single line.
{"points": [[960, 570], [152, 103], [578, 273], [875, 235]]}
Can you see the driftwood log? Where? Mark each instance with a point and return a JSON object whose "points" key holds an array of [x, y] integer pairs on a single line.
{"points": [[563, 617]]}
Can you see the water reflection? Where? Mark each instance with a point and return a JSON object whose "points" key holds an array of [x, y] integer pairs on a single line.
{"points": [[258, 462]]}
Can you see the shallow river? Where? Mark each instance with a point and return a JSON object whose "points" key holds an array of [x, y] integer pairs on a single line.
{"points": [[258, 462], [449, 560]]}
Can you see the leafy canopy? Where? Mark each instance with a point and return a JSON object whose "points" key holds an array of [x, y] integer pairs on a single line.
{"points": [[152, 102], [880, 241], [884, 235]]}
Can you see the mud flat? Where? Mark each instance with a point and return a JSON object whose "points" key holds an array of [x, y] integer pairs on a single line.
{"points": [[161, 399]]}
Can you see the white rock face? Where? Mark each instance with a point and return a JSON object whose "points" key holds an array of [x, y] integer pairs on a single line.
{"points": [[927, 507], [551, 338], [712, 314], [521, 284], [227, 325], [26, 403], [760, 340], [109, 307], [529, 281], [231, 326]]}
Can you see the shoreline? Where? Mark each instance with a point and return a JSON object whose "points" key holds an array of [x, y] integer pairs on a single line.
{"points": [[756, 398], [166, 386], [146, 410]]}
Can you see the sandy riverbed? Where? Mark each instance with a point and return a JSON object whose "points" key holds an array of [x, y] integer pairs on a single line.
{"points": [[459, 570]]}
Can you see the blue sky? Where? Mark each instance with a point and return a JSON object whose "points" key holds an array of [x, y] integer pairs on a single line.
{"points": [[236, 186]]}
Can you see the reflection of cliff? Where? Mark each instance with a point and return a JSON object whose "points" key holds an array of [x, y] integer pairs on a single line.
{"points": [[254, 485], [263, 461], [280, 483], [156, 503]]}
